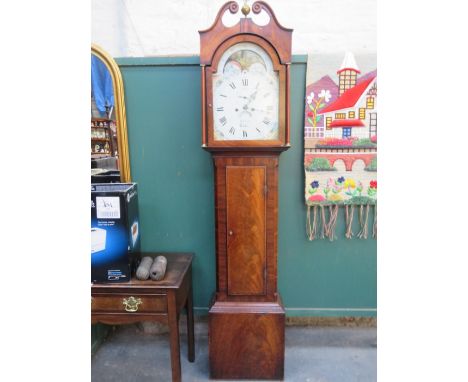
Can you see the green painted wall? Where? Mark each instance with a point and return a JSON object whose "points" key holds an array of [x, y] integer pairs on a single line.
{"points": [[175, 180]]}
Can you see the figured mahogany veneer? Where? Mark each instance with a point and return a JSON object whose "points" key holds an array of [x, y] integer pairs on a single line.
{"points": [[246, 340], [246, 320], [245, 222], [246, 237]]}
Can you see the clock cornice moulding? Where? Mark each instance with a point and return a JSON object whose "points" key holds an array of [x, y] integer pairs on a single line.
{"points": [[273, 32]]}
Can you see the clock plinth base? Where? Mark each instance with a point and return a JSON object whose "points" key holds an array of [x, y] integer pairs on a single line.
{"points": [[246, 340]]}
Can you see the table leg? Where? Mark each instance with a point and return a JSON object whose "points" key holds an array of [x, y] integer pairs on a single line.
{"points": [[190, 325], [174, 336]]}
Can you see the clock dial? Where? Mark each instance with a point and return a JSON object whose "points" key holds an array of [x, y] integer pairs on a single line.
{"points": [[245, 95]]}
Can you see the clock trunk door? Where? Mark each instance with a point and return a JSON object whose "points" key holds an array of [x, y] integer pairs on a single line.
{"points": [[246, 230]]}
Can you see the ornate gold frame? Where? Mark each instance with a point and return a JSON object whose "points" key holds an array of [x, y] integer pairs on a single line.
{"points": [[121, 120]]}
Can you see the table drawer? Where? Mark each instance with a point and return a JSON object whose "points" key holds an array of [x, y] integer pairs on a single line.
{"points": [[127, 303]]}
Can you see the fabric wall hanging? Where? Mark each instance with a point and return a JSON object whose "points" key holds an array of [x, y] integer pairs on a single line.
{"points": [[340, 144]]}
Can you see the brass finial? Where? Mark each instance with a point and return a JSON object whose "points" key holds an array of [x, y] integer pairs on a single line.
{"points": [[245, 9]]}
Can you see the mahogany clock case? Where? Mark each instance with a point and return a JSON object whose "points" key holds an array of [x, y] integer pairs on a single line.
{"points": [[246, 192], [247, 312], [246, 317]]}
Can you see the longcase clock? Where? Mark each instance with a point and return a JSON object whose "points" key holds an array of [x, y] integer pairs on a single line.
{"points": [[245, 125]]}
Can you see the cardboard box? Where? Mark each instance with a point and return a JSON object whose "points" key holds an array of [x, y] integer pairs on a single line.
{"points": [[115, 233]]}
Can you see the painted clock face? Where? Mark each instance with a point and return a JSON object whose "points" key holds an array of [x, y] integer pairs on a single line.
{"points": [[245, 95]]}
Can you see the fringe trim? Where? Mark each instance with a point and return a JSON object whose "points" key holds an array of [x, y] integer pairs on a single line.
{"points": [[324, 224], [321, 225], [363, 219], [331, 227], [311, 227], [349, 214], [328, 228]]}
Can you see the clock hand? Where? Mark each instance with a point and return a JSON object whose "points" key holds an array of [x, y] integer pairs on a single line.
{"points": [[263, 111], [252, 97]]}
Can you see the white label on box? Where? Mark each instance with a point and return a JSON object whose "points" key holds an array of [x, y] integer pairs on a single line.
{"points": [[107, 207]]}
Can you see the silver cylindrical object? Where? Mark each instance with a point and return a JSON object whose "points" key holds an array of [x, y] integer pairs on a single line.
{"points": [[158, 269], [143, 270]]}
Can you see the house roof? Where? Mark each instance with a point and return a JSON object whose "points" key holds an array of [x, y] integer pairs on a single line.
{"points": [[366, 76], [349, 98], [349, 63], [347, 123]]}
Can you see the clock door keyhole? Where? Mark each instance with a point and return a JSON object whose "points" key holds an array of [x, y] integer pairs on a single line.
{"points": [[230, 232]]}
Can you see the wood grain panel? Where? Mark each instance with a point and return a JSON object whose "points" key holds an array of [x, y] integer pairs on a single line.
{"points": [[114, 303], [268, 267], [246, 341], [246, 226]]}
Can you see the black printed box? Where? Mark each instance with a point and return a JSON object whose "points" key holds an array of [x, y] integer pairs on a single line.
{"points": [[115, 232]]}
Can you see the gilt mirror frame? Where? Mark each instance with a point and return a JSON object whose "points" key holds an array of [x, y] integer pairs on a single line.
{"points": [[120, 116]]}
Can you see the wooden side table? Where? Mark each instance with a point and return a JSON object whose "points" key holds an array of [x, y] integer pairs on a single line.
{"points": [[161, 301]]}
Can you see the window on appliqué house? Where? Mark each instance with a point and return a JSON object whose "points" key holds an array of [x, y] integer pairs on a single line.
{"points": [[347, 80], [362, 113], [328, 122], [346, 132], [372, 124], [351, 114], [340, 115], [370, 102]]}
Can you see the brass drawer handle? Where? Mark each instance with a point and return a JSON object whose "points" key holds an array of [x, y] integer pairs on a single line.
{"points": [[131, 304]]}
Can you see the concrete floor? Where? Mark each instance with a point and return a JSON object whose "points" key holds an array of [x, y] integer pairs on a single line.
{"points": [[313, 354]]}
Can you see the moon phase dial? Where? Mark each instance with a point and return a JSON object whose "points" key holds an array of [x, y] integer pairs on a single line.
{"points": [[245, 95]]}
